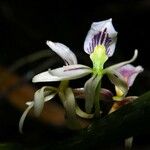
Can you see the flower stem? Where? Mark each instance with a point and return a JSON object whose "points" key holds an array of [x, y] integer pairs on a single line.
{"points": [[63, 85], [97, 101]]}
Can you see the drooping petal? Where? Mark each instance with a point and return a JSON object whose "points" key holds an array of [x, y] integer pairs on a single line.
{"points": [[21, 122], [92, 88], [41, 96], [129, 73], [69, 103], [128, 143], [83, 114], [64, 52], [64, 73], [101, 33]]}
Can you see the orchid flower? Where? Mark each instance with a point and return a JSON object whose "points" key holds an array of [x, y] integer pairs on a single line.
{"points": [[128, 73], [100, 45], [65, 93]]}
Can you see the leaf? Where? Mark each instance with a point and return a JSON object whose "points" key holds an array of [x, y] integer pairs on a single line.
{"points": [[132, 119], [10, 146]]}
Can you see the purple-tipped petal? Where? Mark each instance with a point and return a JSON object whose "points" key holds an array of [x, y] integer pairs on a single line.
{"points": [[129, 73], [101, 33], [64, 52], [123, 77]]}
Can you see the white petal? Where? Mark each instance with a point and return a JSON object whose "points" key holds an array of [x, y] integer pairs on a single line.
{"points": [[69, 103], [92, 88], [41, 96], [93, 36], [21, 122], [45, 77], [64, 52], [64, 73], [116, 66], [29, 103]]}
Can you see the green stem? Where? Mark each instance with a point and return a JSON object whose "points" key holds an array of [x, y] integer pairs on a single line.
{"points": [[63, 85], [97, 101]]}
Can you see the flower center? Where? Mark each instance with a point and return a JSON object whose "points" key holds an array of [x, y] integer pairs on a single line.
{"points": [[98, 57]]}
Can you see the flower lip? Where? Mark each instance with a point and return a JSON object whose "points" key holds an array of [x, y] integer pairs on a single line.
{"points": [[122, 75], [129, 73], [101, 33]]}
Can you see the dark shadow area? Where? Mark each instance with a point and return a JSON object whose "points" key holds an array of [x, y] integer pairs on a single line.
{"points": [[25, 26]]}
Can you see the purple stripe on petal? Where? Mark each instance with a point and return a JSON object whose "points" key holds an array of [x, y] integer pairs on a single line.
{"points": [[107, 41], [93, 43], [108, 51], [90, 46], [70, 69], [66, 62], [101, 33], [103, 36], [98, 37]]}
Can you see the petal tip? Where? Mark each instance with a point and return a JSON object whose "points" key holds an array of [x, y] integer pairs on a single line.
{"points": [[41, 77], [135, 52], [34, 79], [49, 43], [110, 19]]}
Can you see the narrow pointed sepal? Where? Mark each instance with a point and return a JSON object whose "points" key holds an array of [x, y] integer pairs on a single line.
{"points": [[63, 51], [42, 95], [22, 119], [64, 73]]}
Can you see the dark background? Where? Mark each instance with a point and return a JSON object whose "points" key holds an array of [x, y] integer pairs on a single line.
{"points": [[26, 25]]}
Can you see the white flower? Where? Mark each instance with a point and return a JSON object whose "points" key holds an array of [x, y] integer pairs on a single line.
{"points": [[100, 44]]}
